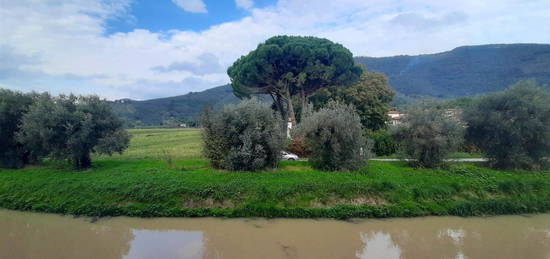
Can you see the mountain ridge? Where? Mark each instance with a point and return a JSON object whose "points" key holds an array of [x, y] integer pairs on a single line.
{"points": [[465, 70]]}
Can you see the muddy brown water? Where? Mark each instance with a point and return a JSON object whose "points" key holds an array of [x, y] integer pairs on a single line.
{"points": [[34, 235]]}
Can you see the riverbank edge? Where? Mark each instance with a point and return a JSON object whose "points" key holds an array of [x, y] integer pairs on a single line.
{"points": [[342, 212]]}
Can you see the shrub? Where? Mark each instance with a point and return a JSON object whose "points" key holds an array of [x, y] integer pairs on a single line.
{"points": [[168, 157], [335, 136], [383, 143], [512, 127], [246, 137], [428, 135], [299, 147]]}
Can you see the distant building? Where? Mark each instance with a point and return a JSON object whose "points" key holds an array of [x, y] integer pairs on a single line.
{"points": [[289, 128], [396, 117]]}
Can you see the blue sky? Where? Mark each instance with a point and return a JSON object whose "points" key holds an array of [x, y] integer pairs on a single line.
{"points": [[161, 15], [144, 49]]}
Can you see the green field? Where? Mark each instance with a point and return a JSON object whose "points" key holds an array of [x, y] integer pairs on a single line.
{"points": [[142, 182], [156, 143]]}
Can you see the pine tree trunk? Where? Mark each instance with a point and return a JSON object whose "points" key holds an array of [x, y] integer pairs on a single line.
{"points": [[292, 115], [304, 103], [279, 104]]}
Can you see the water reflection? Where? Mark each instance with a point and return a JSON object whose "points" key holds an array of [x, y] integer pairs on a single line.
{"points": [[379, 245], [166, 244], [31, 235], [451, 237]]}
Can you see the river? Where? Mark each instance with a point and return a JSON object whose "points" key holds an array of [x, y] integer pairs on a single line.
{"points": [[35, 235]]}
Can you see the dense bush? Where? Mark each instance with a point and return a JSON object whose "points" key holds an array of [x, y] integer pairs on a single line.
{"points": [[384, 143], [299, 147], [512, 127], [247, 137], [72, 127], [370, 96], [336, 138], [428, 135], [12, 107]]}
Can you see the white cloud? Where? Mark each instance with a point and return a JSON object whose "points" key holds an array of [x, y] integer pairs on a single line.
{"points": [[419, 22], [62, 46], [206, 63], [244, 4], [192, 6]]}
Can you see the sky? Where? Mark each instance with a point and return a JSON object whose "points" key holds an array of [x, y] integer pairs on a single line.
{"points": [[143, 49]]}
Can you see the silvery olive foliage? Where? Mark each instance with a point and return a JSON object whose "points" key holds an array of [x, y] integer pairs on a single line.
{"points": [[247, 136], [70, 127], [428, 135], [335, 137], [512, 127]]}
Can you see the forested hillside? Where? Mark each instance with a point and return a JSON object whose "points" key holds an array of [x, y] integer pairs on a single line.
{"points": [[463, 71], [157, 111]]}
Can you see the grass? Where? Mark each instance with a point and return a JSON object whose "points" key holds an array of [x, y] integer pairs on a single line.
{"points": [[143, 183], [451, 156], [154, 143]]}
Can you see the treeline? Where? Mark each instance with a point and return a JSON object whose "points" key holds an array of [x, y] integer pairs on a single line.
{"points": [[34, 126], [511, 128], [337, 110], [315, 84]]}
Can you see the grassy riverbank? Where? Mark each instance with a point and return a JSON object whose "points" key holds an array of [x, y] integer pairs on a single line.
{"points": [[143, 182]]}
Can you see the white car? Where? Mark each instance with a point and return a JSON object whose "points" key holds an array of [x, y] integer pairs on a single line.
{"points": [[289, 156]]}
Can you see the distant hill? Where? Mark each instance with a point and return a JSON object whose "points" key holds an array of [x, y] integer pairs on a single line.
{"points": [[463, 71], [188, 106]]}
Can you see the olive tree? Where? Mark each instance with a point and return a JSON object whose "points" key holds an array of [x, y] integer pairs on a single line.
{"points": [[247, 136], [72, 127], [12, 107], [428, 135], [335, 136], [512, 127]]}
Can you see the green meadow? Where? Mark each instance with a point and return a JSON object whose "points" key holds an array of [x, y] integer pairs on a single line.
{"points": [[181, 144], [164, 174]]}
